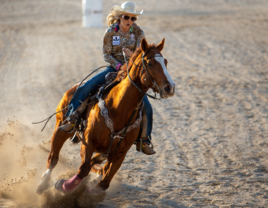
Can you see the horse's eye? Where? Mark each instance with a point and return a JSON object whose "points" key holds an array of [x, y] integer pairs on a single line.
{"points": [[149, 64]]}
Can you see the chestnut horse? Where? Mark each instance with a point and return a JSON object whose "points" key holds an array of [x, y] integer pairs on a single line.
{"points": [[121, 102]]}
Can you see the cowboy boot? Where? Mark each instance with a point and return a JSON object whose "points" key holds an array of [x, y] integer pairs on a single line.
{"points": [[73, 122], [144, 146], [75, 118]]}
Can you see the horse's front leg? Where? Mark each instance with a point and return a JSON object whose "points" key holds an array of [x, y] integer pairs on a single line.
{"points": [[110, 168], [92, 197], [67, 186]]}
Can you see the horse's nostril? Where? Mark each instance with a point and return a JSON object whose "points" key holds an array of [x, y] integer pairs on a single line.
{"points": [[167, 88]]}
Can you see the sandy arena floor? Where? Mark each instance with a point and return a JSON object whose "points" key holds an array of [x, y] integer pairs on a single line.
{"points": [[210, 138]]}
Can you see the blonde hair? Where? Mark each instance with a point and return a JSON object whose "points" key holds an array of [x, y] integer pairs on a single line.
{"points": [[113, 18]]}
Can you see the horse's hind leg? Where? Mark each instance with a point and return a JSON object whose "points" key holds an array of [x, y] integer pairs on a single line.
{"points": [[57, 141], [96, 163]]}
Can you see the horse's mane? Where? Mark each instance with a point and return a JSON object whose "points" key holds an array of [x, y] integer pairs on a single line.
{"points": [[123, 73]]}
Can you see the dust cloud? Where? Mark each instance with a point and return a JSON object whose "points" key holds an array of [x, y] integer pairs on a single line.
{"points": [[23, 161]]}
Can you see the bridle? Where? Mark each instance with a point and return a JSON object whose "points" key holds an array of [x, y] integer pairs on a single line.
{"points": [[150, 76], [138, 105]]}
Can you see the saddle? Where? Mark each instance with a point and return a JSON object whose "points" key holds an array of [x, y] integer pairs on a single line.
{"points": [[97, 97], [109, 84]]}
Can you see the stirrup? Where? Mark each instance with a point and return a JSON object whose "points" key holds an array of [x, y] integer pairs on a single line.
{"points": [[75, 118], [73, 121], [75, 139], [140, 146]]}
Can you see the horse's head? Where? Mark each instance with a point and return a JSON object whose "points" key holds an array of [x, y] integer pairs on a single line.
{"points": [[156, 75]]}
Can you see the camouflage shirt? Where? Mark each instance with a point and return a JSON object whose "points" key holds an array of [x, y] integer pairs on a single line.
{"points": [[114, 41]]}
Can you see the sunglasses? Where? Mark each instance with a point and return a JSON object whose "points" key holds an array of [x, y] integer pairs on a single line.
{"points": [[133, 19]]}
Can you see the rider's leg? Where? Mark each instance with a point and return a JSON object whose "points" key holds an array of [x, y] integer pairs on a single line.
{"points": [[81, 94], [149, 115], [88, 87], [147, 129]]}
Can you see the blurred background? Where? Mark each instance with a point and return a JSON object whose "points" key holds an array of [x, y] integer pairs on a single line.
{"points": [[210, 138]]}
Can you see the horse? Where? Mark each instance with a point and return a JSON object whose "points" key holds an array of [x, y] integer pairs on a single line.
{"points": [[146, 69]]}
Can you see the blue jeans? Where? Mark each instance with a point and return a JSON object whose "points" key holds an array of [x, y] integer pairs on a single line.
{"points": [[92, 85]]}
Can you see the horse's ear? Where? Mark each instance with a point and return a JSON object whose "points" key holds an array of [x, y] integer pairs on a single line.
{"points": [[160, 46], [144, 45]]}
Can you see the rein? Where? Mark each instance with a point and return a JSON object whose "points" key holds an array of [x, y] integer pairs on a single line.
{"points": [[47, 119], [114, 136]]}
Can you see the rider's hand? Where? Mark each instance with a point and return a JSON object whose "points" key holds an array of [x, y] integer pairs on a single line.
{"points": [[127, 52]]}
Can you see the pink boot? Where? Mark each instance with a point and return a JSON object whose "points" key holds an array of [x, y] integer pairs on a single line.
{"points": [[67, 186]]}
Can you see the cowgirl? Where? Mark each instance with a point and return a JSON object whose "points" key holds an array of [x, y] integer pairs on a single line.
{"points": [[122, 35]]}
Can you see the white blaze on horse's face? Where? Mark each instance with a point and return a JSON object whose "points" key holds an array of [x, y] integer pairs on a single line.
{"points": [[169, 88]]}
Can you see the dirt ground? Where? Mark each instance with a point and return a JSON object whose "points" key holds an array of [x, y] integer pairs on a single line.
{"points": [[210, 138]]}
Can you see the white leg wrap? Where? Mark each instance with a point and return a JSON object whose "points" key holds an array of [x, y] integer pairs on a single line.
{"points": [[47, 175]]}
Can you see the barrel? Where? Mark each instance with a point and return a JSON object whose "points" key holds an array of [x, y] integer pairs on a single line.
{"points": [[92, 13]]}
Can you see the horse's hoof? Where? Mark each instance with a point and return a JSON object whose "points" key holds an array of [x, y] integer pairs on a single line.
{"points": [[42, 187], [39, 190], [58, 185]]}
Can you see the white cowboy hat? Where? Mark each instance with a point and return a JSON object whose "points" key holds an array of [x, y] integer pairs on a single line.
{"points": [[126, 8]]}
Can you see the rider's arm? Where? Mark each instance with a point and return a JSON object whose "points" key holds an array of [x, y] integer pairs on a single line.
{"points": [[139, 35], [107, 49]]}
